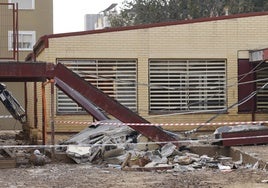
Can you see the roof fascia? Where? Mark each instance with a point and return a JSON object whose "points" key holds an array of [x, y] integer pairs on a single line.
{"points": [[43, 42]]}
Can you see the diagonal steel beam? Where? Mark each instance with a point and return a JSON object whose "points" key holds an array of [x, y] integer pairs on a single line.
{"points": [[109, 105], [80, 99]]}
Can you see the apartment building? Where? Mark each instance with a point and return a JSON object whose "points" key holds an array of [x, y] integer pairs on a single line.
{"points": [[100, 21], [22, 23]]}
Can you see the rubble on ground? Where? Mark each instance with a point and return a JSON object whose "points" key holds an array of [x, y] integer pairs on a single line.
{"points": [[100, 142], [121, 147], [113, 145], [15, 156]]}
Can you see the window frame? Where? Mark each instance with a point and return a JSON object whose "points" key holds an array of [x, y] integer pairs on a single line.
{"points": [[23, 8], [113, 82], [180, 77], [10, 40]]}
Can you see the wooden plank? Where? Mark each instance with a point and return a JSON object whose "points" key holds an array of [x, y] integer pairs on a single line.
{"points": [[7, 163]]}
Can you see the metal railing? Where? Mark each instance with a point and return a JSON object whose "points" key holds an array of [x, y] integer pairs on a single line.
{"points": [[9, 31]]}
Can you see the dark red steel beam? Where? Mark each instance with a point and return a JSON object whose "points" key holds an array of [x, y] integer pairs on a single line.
{"points": [[82, 91], [25, 72], [245, 137], [111, 106], [80, 99]]}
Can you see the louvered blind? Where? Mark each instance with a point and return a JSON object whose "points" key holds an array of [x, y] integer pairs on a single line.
{"points": [[187, 85], [117, 78], [262, 95]]}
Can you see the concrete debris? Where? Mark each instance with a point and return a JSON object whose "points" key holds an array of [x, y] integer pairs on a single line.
{"points": [[178, 162], [227, 159], [101, 142], [116, 147], [19, 157], [240, 162], [143, 144], [182, 168], [237, 128], [102, 134], [224, 168], [264, 181], [183, 160], [167, 150], [38, 159], [256, 165]]}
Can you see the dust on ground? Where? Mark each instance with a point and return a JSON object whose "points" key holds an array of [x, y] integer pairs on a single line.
{"points": [[60, 174], [87, 175]]}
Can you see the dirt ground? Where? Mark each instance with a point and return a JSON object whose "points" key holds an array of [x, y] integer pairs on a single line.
{"points": [[72, 175], [87, 175]]}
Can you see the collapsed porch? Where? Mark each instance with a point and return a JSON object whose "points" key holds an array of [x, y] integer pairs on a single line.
{"points": [[84, 93]]}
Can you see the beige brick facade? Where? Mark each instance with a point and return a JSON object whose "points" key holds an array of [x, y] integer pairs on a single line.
{"points": [[219, 38]]}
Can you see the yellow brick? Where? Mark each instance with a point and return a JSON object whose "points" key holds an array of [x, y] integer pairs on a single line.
{"points": [[215, 39]]}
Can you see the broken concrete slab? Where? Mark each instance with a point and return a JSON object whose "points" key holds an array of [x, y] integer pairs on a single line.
{"points": [[143, 144], [183, 168], [96, 132], [100, 142], [238, 128], [167, 150], [183, 160]]}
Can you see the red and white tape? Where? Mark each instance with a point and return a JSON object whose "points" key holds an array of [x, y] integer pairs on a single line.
{"points": [[5, 117]]}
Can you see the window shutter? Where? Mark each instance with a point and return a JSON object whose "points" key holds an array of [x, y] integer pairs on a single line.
{"points": [[262, 95], [187, 85], [115, 77], [244, 90]]}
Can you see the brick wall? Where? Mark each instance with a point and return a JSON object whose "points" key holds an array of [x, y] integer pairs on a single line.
{"points": [[212, 39]]}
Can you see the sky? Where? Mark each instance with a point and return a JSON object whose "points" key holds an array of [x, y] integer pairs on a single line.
{"points": [[69, 14]]}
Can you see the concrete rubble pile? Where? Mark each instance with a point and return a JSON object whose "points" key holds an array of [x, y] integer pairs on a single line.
{"points": [[15, 156], [100, 142], [121, 147]]}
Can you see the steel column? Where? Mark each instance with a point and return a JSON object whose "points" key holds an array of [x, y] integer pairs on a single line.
{"points": [[44, 113]]}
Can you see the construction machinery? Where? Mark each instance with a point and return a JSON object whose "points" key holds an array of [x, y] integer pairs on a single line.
{"points": [[11, 104]]}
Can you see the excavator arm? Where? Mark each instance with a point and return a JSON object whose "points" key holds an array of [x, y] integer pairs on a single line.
{"points": [[11, 104]]}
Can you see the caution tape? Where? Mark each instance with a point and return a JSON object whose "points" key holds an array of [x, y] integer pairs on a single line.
{"points": [[75, 122], [5, 117], [162, 124]]}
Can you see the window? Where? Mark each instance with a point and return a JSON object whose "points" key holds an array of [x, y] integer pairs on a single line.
{"points": [[117, 78], [26, 40], [187, 85], [24, 4]]}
